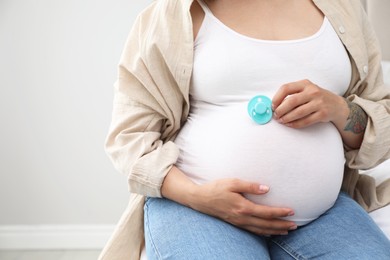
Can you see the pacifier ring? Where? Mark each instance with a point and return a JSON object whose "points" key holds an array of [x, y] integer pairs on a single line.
{"points": [[260, 110]]}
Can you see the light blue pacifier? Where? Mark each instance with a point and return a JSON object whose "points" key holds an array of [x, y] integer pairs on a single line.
{"points": [[260, 110]]}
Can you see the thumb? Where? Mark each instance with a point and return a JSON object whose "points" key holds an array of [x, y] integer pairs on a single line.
{"points": [[248, 187]]}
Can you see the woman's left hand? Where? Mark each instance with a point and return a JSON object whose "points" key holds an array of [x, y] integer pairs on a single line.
{"points": [[302, 103]]}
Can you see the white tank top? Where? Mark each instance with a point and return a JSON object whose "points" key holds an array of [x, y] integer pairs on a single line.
{"points": [[302, 167]]}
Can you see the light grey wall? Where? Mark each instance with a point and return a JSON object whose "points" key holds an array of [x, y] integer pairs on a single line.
{"points": [[379, 13], [58, 63]]}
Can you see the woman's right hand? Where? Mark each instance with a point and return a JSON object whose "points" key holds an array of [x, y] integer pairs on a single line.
{"points": [[223, 199]]}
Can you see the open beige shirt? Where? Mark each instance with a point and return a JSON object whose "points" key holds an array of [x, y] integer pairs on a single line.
{"points": [[151, 104]]}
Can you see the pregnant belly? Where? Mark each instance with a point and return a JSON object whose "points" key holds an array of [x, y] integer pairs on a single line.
{"points": [[303, 168]]}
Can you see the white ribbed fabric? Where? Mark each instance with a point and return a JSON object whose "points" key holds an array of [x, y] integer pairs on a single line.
{"points": [[304, 168]]}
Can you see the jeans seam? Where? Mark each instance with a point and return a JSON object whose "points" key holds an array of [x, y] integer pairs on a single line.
{"points": [[286, 248], [150, 235]]}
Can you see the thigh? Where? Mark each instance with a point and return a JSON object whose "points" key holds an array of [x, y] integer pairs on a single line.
{"points": [[345, 231], [173, 231]]}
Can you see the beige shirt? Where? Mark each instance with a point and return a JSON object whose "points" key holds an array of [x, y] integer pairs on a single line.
{"points": [[151, 103]]}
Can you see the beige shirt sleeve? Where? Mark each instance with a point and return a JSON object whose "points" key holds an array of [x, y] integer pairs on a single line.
{"points": [[141, 115], [370, 94], [151, 96]]}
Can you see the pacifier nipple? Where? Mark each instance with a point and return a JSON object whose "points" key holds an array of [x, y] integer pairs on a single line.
{"points": [[259, 109]]}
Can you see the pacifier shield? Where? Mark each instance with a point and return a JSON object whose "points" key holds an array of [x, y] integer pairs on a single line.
{"points": [[260, 110]]}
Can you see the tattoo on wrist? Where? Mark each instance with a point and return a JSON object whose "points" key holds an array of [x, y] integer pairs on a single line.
{"points": [[357, 119]]}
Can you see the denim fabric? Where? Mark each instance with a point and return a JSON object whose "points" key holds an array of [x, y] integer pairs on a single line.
{"points": [[346, 231]]}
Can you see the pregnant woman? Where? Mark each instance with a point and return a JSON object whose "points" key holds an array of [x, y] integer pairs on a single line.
{"points": [[207, 181]]}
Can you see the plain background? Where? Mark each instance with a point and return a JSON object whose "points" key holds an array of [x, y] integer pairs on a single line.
{"points": [[58, 63]]}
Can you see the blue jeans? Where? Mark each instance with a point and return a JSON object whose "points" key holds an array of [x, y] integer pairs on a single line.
{"points": [[346, 231]]}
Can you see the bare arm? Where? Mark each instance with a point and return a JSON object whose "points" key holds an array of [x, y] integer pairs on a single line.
{"points": [[309, 104], [351, 122], [223, 199]]}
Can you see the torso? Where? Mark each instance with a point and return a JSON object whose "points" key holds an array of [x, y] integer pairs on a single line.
{"points": [[304, 168]]}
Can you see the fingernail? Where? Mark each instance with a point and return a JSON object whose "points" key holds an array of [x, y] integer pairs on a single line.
{"points": [[293, 227], [263, 188], [291, 213]]}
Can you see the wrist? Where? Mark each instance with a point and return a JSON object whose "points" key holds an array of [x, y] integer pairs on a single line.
{"points": [[351, 123], [191, 196], [342, 114], [178, 187]]}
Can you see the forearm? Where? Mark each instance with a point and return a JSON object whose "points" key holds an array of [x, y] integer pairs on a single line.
{"points": [[223, 199], [351, 123], [178, 187]]}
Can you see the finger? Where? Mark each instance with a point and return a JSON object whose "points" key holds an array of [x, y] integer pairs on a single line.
{"points": [[298, 113], [273, 224], [290, 104], [305, 122], [271, 227], [265, 232], [263, 226], [286, 90], [240, 186], [266, 212]]}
